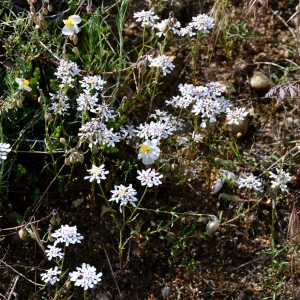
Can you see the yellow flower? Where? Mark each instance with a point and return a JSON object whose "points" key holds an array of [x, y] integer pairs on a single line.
{"points": [[71, 25], [23, 84]]}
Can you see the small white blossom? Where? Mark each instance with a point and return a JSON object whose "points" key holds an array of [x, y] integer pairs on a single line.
{"points": [[93, 82], [149, 152], [71, 27], [162, 62], [203, 23], [4, 149], [249, 182], [149, 177], [124, 195], [23, 84], [146, 17], [86, 276], [96, 173], [67, 235], [237, 115], [187, 31], [280, 179], [51, 275], [54, 252]]}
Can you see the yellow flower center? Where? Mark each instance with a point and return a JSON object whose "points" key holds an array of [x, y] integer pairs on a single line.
{"points": [[69, 22], [25, 83], [145, 148]]}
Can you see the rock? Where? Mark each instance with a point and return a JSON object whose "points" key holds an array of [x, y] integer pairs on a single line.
{"points": [[260, 82], [237, 130]]}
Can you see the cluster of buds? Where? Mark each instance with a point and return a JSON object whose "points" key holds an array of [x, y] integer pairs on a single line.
{"points": [[38, 17], [73, 157]]}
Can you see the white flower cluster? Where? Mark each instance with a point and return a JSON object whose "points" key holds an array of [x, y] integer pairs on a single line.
{"points": [[66, 72], [249, 182], [235, 116], [201, 23], [4, 149], [146, 17], [88, 100], [206, 101], [163, 62], [280, 180], [97, 132], [51, 275], [60, 104], [86, 276], [149, 177], [67, 235], [124, 195], [164, 126], [97, 173]]}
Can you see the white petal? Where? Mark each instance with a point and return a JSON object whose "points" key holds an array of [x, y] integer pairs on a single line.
{"points": [[217, 186], [76, 19], [67, 30]]}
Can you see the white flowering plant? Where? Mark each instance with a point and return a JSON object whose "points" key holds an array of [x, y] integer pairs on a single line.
{"points": [[135, 111]]}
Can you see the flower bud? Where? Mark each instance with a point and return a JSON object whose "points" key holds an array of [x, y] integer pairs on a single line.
{"points": [[75, 39], [20, 103], [217, 186], [75, 51], [169, 35], [89, 9], [23, 234], [63, 141], [212, 226], [48, 117], [41, 99]]}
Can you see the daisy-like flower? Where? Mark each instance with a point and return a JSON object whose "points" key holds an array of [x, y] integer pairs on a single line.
{"points": [[146, 17], [86, 276], [124, 195], [149, 177], [67, 235], [54, 252], [23, 84], [280, 179], [149, 152], [249, 182], [97, 173], [4, 149], [237, 115], [51, 275], [71, 25], [162, 62]]}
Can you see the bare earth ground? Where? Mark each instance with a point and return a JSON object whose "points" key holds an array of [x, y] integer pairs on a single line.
{"points": [[230, 264]]}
